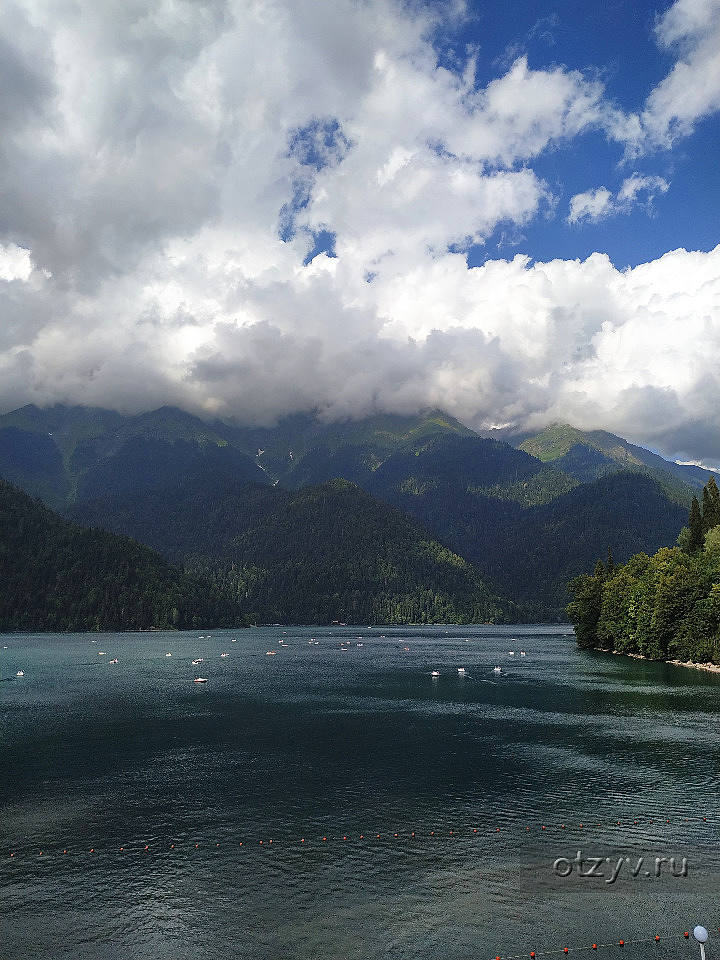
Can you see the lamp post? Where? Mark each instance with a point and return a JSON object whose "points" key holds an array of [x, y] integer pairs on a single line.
{"points": [[701, 935]]}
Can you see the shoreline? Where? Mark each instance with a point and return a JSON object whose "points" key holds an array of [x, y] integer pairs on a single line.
{"points": [[709, 667]]}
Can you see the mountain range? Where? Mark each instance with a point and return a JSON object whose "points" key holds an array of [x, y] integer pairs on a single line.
{"points": [[513, 517]]}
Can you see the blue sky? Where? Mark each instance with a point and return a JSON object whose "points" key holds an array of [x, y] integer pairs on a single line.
{"points": [[508, 211], [616, 41]]}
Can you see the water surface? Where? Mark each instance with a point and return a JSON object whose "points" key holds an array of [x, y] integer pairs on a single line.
{"points": [[344, 737]]}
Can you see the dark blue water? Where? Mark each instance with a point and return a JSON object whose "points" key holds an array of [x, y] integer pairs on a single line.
{"points": [[332, 739]]}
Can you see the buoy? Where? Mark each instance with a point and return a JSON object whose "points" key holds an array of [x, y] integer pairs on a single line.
{"points": [[362, 836], [92, 850], [594, 946], [532, 955], [686, 934], [147, 848], [197, 846], [565, 949], [621, 943], [324, 839], [657, 938]]}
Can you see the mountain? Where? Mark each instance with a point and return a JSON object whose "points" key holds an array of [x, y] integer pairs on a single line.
{"points": [[323, 553], [528, 552], [56, 576], [526, 514], [587, 455], [62, 454]]}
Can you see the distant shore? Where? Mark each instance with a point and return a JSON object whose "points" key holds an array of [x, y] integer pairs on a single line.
{"points": [[710, 667]]}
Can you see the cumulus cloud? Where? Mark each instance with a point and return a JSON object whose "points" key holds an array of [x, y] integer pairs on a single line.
{"points": [[690, 30], [170, 168], [599, 203]]}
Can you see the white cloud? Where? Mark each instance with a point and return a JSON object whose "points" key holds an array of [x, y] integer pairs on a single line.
{"points": [[599, 203], [592, 205], [158, 149], [689, 29], [15, 263]]}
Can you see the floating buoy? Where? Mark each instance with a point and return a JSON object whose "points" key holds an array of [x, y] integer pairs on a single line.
{"points": [[565, 949], [594, 946], [621, 943]]}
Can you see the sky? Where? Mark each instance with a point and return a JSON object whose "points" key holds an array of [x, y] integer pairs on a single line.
{"points": [[249, 208]]}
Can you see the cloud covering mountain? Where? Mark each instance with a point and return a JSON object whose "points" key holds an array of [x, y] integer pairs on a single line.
{"points": [[253, 207]]}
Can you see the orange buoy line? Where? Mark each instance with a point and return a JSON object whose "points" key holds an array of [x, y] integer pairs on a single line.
{"points": [[464, 833], [594, 947]]}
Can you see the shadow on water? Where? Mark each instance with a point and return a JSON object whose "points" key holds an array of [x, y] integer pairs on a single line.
{"points": [[345, 737]]}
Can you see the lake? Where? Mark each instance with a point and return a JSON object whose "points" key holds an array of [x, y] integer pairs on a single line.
{"points": [[341, 733]]}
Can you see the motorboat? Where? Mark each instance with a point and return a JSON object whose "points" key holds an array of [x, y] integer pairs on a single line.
{"points": [[20, 673], [270, 653], [461, 670], [196, 663], [435, 673], [200, 680], [497, 670], [224, 654], [168, 654], [114, 660]]}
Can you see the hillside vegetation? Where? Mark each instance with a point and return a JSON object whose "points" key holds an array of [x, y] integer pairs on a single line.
{"points": [[57, 576], [324, 553], [663, 607]]}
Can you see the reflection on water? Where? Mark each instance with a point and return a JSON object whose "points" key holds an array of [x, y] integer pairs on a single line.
{"points": [[332, 739]]}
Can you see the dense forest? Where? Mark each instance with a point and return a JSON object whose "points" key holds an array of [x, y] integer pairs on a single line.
{"points": [[57, 576], [323, 553], [526, 513], [663, 607]]}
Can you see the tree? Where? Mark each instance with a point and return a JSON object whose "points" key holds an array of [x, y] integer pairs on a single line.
{"points": [[695, 523], [711, 505]]}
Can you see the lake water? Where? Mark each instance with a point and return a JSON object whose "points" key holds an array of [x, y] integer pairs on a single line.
{"points": [[350, 736]]}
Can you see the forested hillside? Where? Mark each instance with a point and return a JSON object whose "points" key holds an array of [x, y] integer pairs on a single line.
{"points": [[327, 552], [58, 576], [663, 607]]}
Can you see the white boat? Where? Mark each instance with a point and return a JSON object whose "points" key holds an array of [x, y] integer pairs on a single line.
{"points": [[168, 654], [522, 653], [358, 644], [101, 653], [224, 654], [270, 653], [435, 673], [461, 669], [20, 673], [234, 640], [497, 670], [115, 660], [195, 663], [511, 653], [200, 680]]}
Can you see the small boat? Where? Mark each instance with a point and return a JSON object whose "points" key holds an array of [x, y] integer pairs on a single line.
{"points": [[522, 653], [234, 640], [435, 673], [114, 660], [101, 653], [461, 669], [196, 663], [270, 653], [358, 644], [20, 673], [224, 654], [511, 653], [497, 670], [200, 680], [168, 654]]}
